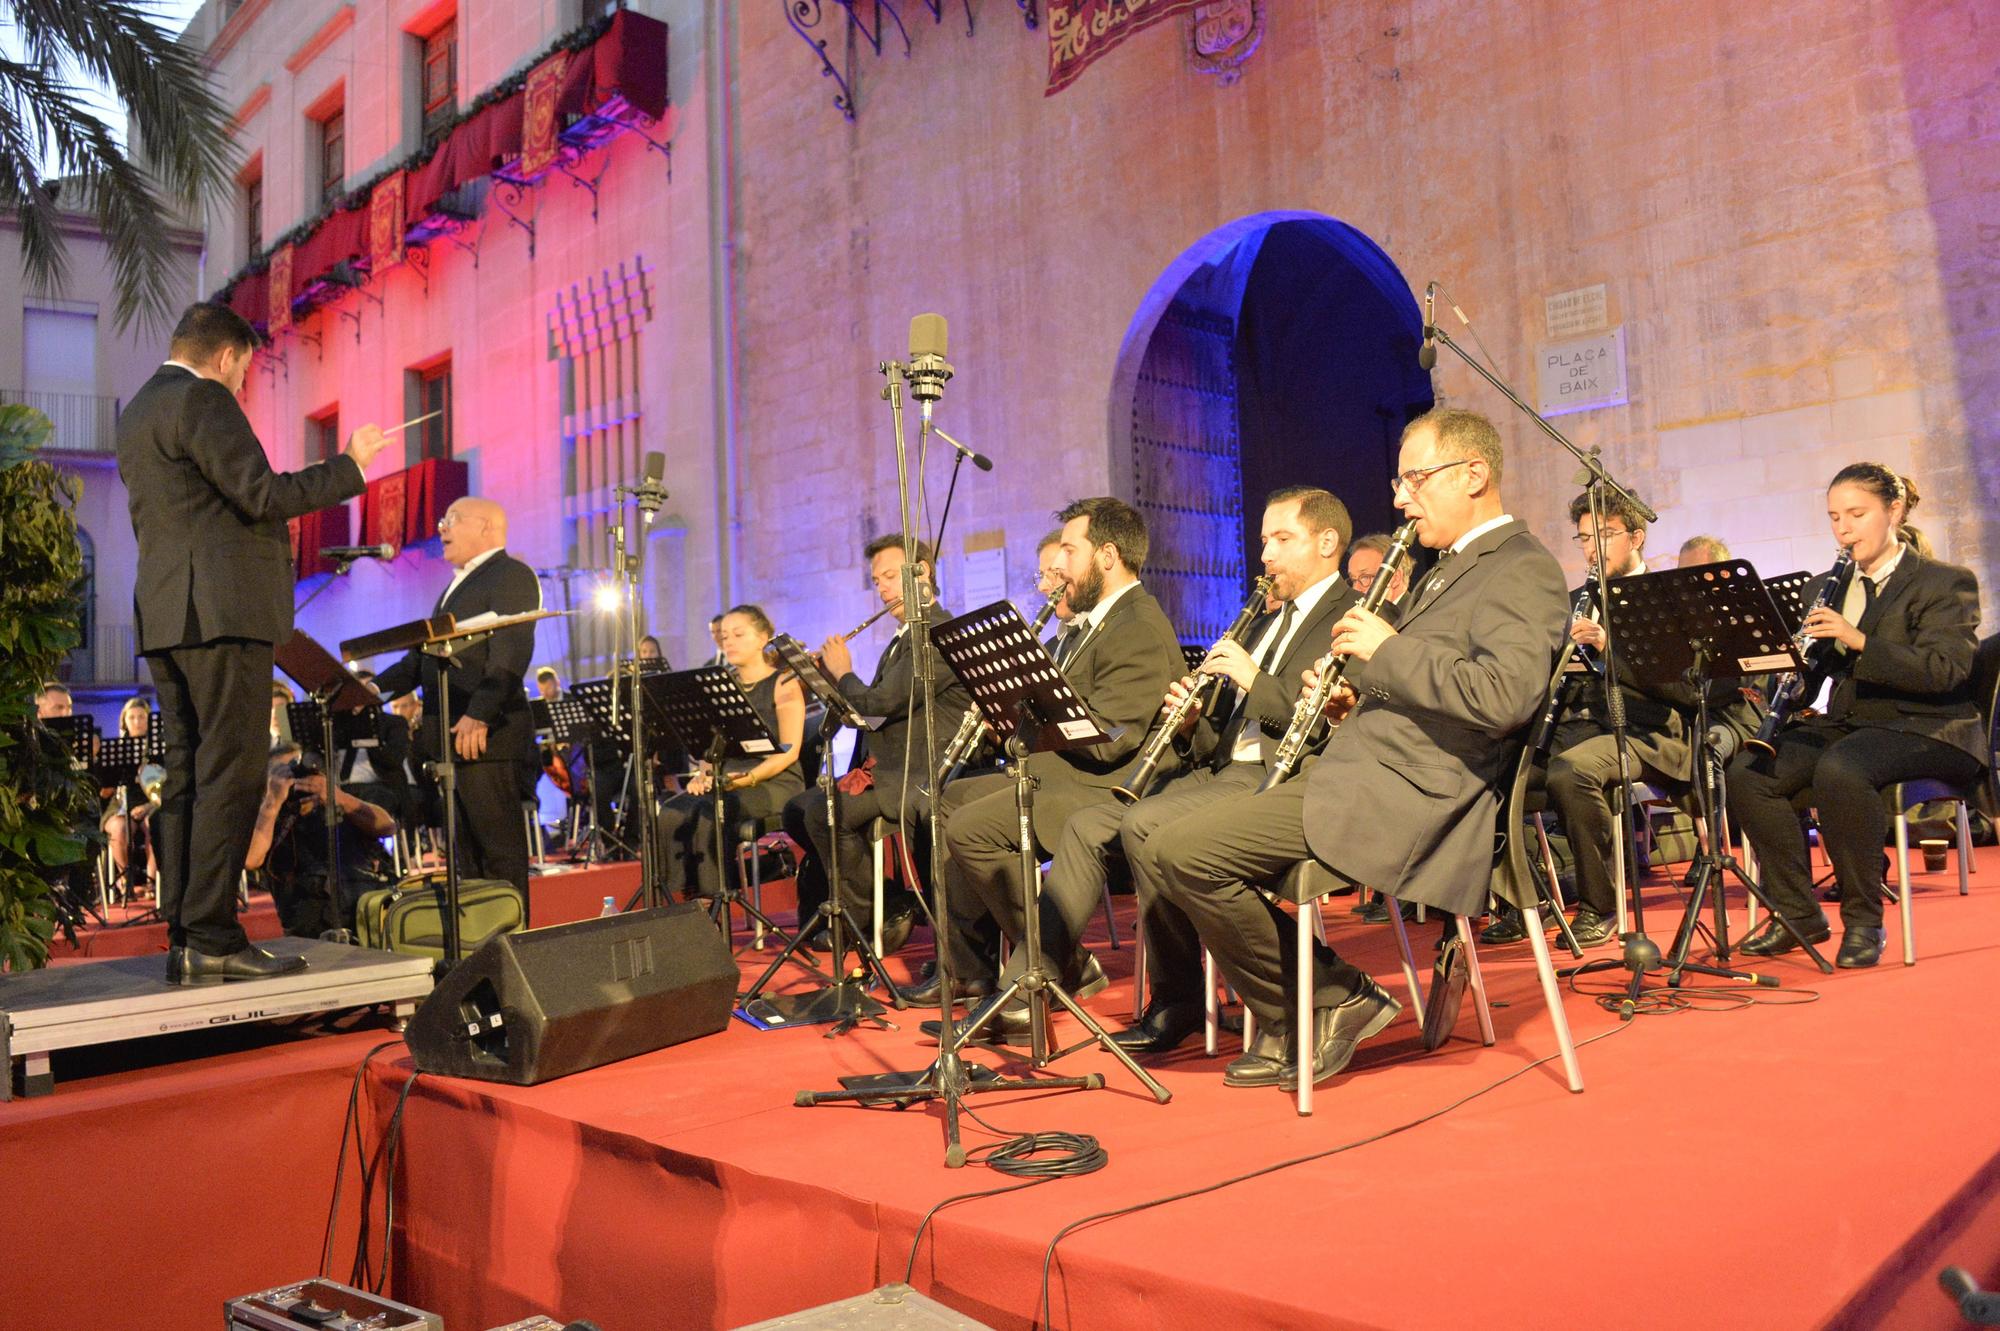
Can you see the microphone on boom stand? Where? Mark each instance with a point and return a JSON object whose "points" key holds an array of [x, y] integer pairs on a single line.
{"points": [[928, 367], [357, 552], [1427, 355], [652, 490]]}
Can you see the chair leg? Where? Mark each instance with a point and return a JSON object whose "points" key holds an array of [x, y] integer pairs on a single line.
{"points": [[1475, 979], [1619, 880], [1965, 851], [1750, 871], [1552, 996], [875, 855], [1139, 970], [1903, 884], [1212, 1005], [1409, 959], [1302, 1006], [1110, 922]]}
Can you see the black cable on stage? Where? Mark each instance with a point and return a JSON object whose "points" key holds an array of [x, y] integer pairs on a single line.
{"points": [[1038, 1155], [1049, 1256], [351, 1124], [1663, 999], [917, 1240], [366, 1275]]}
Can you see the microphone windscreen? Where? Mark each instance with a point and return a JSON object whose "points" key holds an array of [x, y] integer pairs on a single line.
{"points": [[656, 468], [927, 336]]}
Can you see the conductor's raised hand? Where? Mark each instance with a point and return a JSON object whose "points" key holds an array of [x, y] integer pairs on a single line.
{"points": [[365, 443]]}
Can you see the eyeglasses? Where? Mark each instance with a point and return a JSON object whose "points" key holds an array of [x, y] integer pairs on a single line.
{"points": [[1361, 582], [1584, 542], [1416, 476]]}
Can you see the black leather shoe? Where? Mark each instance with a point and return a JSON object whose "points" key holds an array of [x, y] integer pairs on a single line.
{"points": [[1377, 911], [1010, 1025], [896, 932], [1089, 980], [1509, 926], [189, 967], [1161, 1027], [1262, 1064], [1591, 928], [1770, 938], [925, 993], [1860, 948], [1342, 1029]]}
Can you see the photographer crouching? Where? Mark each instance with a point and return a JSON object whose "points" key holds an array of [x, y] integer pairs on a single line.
{"points": [[289, 844]]}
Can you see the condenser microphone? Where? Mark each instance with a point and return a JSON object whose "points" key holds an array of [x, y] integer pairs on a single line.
{"points": [[928, 368], [357, 552], [652, 491], [972, 455], [1427, 356]]}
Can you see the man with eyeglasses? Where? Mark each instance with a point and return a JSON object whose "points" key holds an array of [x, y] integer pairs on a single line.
{"points": [[491, 730], [1364, 565], [1583, 773], [1405, 794]]}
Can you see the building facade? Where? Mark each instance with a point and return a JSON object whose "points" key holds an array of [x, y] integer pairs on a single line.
{"points": [[1776, 217]]}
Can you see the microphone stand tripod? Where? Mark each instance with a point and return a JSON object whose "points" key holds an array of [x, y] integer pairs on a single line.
{"points": [[638, 771], [1640, 952]]}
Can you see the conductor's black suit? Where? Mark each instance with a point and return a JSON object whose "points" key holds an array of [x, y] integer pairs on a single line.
{"points": [[213, 595], [488, 683]]}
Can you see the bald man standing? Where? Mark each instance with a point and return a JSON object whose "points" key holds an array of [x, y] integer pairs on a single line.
{"points": [[492, 733]]}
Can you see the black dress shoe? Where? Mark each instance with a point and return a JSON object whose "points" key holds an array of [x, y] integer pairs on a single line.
{"points": [[1509, 926], [1089, 980], [1860, 948], [1262, 1064], [896, 931], [1010, 1025], [1769, 938], [189, 967], [1591, 929], [1162, 1027], [1377, 911], [925, 993], [1341, 1029]]}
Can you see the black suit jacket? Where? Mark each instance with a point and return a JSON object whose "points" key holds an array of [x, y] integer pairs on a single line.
{"points": [[1276, 690], [1915, 674], [215, 560], [1406, 794], [1121, 671], [489, 680], [887, 695]]}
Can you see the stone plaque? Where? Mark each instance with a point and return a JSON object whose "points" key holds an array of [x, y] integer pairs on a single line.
{"points": [[1582, 373]]}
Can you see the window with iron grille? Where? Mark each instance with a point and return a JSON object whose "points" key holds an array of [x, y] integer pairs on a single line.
{"points": [[332, 155], [253, 216], [428, 390], [323, 435]]}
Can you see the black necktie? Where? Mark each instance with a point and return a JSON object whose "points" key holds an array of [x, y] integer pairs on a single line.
{"points": [[1435, 581], [1066, 643]]}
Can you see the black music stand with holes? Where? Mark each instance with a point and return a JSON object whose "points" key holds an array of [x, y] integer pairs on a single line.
{"points": [[1688, 628], [1025, 698], [117, 763], [710, 714], [843, 1003]]}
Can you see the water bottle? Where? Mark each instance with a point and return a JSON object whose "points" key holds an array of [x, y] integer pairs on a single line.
{"points": [[610, 907]]}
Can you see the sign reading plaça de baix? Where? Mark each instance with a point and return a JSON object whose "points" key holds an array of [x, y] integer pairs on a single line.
{"points": [[1583, 373]]}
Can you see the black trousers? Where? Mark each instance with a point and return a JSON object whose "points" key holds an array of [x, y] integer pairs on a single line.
{"points": [[1841, 770], [215, 717], [1209, 858], [971, 931], [806, 824], [1173, 946], [1581, 779], [492, 837], [687, 833]]}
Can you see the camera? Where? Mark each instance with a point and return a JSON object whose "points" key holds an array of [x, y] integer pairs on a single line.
{"points": [[306, 764]]}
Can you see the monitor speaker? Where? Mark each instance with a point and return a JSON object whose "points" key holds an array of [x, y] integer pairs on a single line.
{"points": [[532, 1006]]}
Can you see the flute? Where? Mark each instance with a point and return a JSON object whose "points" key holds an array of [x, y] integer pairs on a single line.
{"points": [[857, 629]]}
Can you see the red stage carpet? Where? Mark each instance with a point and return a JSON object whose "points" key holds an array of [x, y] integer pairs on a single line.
{"points": [[1789, 1164]]}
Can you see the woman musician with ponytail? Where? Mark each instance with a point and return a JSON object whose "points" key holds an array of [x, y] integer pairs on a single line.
{"points": [[1901, 707]]}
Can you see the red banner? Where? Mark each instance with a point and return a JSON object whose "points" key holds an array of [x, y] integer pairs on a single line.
{"points": [[281, 290], [310, 533], [1082, 31], [385, 223], [538, 120]]}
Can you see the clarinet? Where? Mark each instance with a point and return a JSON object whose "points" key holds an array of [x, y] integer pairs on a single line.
{"points": [[1584, 605], [1795, 688], [1200, 694], [972, 730], [1308, 713]]}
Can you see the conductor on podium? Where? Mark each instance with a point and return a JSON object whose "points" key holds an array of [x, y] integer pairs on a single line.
{"points": [[492, 732], [213, 596]]}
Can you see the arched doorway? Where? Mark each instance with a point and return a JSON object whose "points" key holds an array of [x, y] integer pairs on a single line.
{"points": [[1278, 350]]}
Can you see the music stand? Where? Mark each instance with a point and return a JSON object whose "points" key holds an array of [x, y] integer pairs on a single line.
{"points": [[710, 714], [1687, 628], [843, 1002], [1025, 698], [442, 638], [571, 721], [342, 710]]}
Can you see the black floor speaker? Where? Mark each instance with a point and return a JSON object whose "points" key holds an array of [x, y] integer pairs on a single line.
{"points": [[529, 1007]]}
